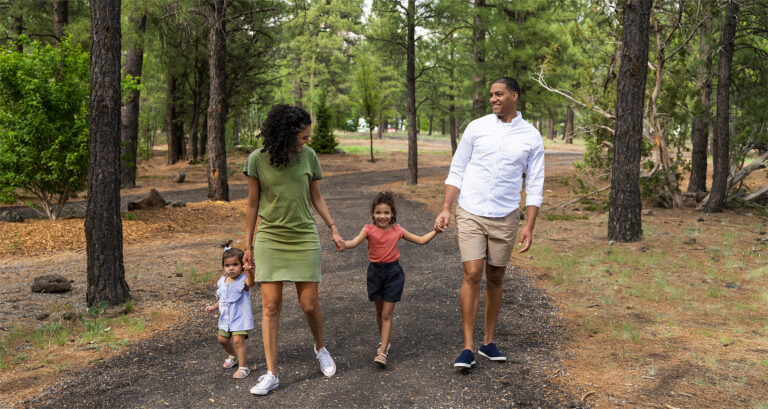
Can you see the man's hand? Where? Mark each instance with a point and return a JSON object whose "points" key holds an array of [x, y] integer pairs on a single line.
{"points": [[526, 238], [441, 221]]}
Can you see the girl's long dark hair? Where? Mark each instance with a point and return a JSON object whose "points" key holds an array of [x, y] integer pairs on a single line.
{"points": [[388, 199], [283, 124]]}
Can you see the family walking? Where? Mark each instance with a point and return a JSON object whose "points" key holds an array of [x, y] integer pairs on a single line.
{"points": [[497, 154]]}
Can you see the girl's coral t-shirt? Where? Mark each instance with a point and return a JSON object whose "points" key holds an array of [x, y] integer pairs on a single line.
{"points": [[382, 243]]}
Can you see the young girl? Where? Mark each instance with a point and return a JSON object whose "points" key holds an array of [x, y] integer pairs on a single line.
{"points": [[385, 276], [234, 305]]}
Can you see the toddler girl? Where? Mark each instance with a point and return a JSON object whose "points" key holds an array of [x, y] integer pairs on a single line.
{"points": [[234, 305], [385, 276]]}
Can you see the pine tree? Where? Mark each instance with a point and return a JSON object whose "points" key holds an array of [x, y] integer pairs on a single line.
{"points": [[323, 140]]}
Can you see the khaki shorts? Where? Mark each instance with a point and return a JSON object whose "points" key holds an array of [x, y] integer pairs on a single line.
{"points": [[490, 238]]}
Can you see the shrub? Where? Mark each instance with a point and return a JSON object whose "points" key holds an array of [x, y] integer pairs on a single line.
{"points": [[44, 98], [323, 140]]}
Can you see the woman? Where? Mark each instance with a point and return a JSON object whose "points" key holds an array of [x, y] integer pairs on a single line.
{"points": [[282, 189]]}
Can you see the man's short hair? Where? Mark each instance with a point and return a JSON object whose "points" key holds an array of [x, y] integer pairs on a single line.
{"points": [[511, 84]]}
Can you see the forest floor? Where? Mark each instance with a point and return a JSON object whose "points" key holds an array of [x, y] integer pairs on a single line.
{"points": [[679, 319]]}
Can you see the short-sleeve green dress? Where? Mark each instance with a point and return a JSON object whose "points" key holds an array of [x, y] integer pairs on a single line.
{"points": [[286, 246]]}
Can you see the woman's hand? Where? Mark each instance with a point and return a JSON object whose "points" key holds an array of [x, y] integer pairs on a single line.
{"points": [[337, 240], [248, 259]]}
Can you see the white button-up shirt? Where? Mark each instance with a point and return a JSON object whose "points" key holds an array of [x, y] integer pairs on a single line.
{"points": [[489, 163]]}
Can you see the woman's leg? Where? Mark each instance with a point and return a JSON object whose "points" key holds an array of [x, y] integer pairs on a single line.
{"points": [[271, 303], [386, 324], [307, 292], [238, 342]]}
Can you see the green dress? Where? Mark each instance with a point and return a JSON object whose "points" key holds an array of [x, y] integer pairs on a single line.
{"points": [[286, 246]]}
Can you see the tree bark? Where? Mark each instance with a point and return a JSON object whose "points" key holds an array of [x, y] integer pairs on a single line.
{"points": [[624, 220], [129, 133], [478, 59], [700, 129], [381, 124], [172, 119], [216, 155], [204, 135], [550, 127], [568, 133], [103, 226], [721, 166], [60, 18], [410, 94], [17, 26], [430, 119]]}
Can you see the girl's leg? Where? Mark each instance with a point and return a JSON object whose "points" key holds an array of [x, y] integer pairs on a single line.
{"points": [[310, 304], [379, 305], [386, 324], [226, 343], [238, 342], [271, 303]]}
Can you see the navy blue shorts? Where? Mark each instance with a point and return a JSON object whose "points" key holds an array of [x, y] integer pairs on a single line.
{"points": [[385, 281]]}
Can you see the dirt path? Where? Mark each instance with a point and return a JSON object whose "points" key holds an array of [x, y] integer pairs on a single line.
{"points": [[182, 368]]}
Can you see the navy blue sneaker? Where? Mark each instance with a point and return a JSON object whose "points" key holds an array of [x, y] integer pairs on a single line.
{"points": [[465, 360], [491, 352]]}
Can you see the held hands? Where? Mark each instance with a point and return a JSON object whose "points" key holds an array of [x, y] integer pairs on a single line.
{"points": [[337, 240], [441, 221]]}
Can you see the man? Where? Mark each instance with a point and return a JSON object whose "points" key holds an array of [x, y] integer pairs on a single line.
{"points": [[486, 176]]}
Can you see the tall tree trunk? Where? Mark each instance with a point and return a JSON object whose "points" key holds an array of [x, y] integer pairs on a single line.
{"points": [[60, 18], [381, 124], [297, 92], [370, 133], [452, 123], [624, 221], [410, 94], [442, 126], [17, 26], [478, 59], [216, 156], [197, 101], [129, 133], [550, 127], [103, 226], [172, 119], [568, 133], [700, 130], [204, 135], [430, 118], [721, 166]]}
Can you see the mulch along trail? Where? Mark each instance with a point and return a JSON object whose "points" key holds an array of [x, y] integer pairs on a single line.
{"points": [[182, 368]]}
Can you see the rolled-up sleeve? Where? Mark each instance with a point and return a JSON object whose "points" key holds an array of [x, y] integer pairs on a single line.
{"points": [[460, 160], [534, 179]]}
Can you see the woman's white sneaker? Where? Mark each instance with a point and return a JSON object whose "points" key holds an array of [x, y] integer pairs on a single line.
{"points": [[267, 382], [326, 362]]}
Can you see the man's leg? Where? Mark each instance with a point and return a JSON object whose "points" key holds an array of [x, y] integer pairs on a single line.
{"points": [[470, 296], [494, 291]]}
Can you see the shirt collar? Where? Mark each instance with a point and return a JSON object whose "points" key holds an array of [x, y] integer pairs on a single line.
{"points": [[513, 122]]}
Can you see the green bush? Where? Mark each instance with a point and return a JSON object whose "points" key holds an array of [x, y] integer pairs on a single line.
{"points": [[44, 102]]}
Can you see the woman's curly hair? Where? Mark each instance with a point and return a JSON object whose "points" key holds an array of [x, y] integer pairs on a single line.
{"points": [[282, 126]]}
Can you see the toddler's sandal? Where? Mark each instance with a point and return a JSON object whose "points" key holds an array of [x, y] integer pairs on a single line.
{"points": [[230, 362], [241, 373]]}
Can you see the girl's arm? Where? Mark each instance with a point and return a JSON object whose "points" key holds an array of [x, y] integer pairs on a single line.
{"points": [[322, 209], [350, 244], [211, 308], [251, 213], [419, 239]]}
